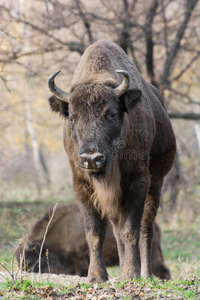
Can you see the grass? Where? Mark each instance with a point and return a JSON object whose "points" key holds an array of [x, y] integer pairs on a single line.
{"points": [[181, 252], [172, 288], [26, 289]]}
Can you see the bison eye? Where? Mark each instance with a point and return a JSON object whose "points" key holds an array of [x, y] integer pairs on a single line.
{"points": [[71, 118], [111, 115]]}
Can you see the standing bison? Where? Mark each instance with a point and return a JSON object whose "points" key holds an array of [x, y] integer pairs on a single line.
{"points": [[67, 248], [120, 145]]}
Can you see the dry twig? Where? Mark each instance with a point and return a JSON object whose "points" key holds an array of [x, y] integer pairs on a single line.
{"points": [[41, 248]]}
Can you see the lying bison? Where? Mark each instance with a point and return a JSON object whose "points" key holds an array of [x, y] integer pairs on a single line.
{"points": [[120, 145], [67, 248]]}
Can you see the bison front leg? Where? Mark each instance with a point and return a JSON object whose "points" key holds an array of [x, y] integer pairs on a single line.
{"points": [[95, 228], [131, 266], [128, 229]]}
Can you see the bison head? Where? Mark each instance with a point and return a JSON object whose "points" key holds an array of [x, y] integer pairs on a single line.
{"points": [[96, 112]]}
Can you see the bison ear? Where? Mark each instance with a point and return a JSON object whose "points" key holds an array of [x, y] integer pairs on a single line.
{"points": [[33, 247], [58, 105], [131, 97], [54, 103]]}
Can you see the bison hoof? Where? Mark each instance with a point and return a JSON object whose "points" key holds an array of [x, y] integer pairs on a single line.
{"points": [[94, 279], [97, 274], [129, 277]]}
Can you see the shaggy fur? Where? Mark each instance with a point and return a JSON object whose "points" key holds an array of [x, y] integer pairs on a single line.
{"points": [[107, 192]]}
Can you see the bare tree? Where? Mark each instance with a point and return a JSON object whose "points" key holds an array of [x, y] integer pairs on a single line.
{"points": [[142, 30]]}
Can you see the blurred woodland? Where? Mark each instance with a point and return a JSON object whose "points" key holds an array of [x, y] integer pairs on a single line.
{"points": [[38, 37]]}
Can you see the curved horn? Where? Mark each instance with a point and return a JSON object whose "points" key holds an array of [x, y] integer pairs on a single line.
{"points": [[123, 87], [62, 95]]}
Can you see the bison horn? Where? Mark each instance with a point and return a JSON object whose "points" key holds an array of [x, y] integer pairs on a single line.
{"points": [[62, 95], [123, 87]]}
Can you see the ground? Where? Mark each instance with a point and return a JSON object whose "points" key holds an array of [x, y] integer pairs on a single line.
{"points": [[48, 286]]}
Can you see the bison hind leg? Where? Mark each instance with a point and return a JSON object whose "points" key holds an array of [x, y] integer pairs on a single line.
{"points": [[146, 233]]}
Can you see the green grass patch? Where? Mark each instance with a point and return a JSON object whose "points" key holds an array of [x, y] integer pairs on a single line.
{"points": [[120, 284], [171, 288], [145, 289], [181, 252]]}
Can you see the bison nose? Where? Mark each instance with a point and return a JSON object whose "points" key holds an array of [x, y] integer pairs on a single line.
{"points": [[92, 162]]}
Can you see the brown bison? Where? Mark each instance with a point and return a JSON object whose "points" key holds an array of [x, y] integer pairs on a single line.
{"points": [[65, 250], [120, 145]]}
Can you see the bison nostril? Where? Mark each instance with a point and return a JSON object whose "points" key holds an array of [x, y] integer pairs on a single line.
{"points": [[84, 160], [99, 160]]}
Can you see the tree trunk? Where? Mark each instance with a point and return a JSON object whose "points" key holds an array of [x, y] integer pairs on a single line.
{"points": [[34, 143]]}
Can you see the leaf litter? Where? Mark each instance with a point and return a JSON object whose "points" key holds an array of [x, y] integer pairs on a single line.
{"points": [[74, 287]]}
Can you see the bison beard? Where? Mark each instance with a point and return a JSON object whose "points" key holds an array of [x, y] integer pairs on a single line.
{"points": [[71, 256], [110, 103], [107, 192]]}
